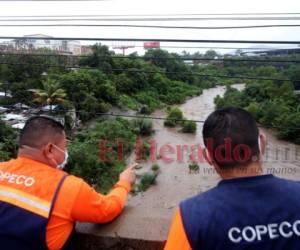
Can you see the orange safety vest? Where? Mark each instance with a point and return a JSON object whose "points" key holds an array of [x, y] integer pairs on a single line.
{"points": [[27, 197]]}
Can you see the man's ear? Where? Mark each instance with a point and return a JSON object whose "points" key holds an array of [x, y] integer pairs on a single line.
{"points": [[48, 151], [207, 156], [262, 142]]}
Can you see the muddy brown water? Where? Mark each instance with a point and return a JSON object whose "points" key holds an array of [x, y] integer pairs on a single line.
{"points": [[148, 215]]}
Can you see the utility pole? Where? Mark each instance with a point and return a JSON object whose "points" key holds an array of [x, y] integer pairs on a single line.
{"points": [[123, 47]]}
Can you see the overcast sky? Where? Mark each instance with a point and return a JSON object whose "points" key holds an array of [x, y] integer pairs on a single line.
{"points": [[32, 8]]}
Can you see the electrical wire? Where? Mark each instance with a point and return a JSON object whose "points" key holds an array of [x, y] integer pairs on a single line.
{"points": [[137, 116], [213, 47], [149, 40], [169, 14], [156, 26], [155, 19], [195, 47]]}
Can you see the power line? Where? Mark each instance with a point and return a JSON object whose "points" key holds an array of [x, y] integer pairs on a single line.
{"points": [[155, 19], [142, 116], [155, 58], [213, 47], [149, 40], [158, 72], [163, 118], [194, 47], [56, 0], [154, 26], [166, 14]]}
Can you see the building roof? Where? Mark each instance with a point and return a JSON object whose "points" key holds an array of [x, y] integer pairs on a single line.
{"points": [[19, 125], [38, 35]]}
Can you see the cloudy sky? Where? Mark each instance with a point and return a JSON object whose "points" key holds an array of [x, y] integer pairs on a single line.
{"points": [[149, 7]]}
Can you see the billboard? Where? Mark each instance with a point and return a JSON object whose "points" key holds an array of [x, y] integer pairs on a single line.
{"points": [[152, 45]]}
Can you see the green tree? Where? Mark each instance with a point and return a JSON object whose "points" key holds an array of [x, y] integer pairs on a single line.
{"points": [[100, 58], [8, 142], [211, 54], [51, 94]]}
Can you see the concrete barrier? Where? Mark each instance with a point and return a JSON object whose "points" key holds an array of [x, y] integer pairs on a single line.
{"points": [[135, 229]]}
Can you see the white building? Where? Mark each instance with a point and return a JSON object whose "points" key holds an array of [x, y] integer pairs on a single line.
{"points": [[29, 43]]}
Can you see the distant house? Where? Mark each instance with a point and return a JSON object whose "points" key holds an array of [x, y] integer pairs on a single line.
{"points": [[19, 125], [86, 50], [4, 95], [20, 105], [48, 108], [3, 110], [65, 46], [272, 52]]}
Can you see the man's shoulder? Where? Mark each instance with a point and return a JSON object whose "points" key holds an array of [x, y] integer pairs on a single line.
{"points": [[6, 163], [286, 183], [73, 181], [69, 190], [212, 196], [202, 198]]}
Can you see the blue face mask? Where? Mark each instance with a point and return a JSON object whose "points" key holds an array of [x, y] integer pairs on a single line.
{"points": [[63, 164]]}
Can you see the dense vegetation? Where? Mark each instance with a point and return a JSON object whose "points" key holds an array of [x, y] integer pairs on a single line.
{"points": [[115, 138], [8, 142], [273, 103]]}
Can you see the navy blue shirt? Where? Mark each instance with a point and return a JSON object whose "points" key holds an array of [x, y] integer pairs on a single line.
{"points": [[261, 212]]}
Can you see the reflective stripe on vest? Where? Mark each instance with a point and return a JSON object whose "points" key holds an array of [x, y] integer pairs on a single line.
{"points": [[24, 200]]}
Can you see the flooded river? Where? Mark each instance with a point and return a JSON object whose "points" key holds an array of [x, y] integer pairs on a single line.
{"points": [[149, 214]]}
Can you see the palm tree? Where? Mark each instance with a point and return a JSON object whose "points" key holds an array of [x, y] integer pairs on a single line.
{"points": [[50, 94]]}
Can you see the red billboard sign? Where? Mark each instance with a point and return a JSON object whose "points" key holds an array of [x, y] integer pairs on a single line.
{"points": [[151, 45]]}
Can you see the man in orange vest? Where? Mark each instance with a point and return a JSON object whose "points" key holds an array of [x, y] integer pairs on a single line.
{"points": [[39, 203]]}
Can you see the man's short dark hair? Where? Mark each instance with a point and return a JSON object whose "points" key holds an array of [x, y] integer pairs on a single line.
{"points": [[39, 130], [231, 137]]}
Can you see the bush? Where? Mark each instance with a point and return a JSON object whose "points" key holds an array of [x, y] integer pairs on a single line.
{"points": [[145, 150], [289, 127], [104, 107], [146, 181], [189, 127], [253, 109], [148, 98], [155, 167], [142, 126], [145, 110], [271, 111], [194, 167], [232, 97], [126, 101], [174, 117], [169, 123]]}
